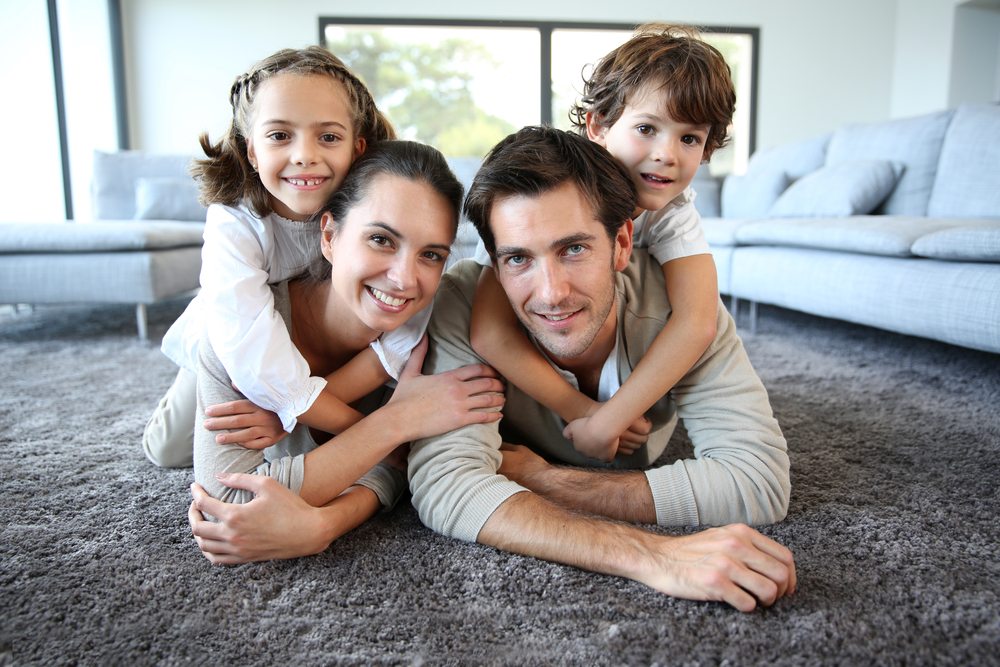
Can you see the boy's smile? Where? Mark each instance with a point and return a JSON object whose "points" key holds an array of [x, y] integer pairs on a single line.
{"points": [[662, 154]]}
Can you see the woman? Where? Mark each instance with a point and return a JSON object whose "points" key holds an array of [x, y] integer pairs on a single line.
{"points": [[385, 238]]}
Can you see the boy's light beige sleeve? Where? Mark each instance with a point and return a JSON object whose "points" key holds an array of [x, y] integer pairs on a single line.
{"points": [[453, 477]]}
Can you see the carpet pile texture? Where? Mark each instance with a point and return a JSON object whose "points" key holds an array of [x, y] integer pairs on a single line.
{"points": [[895, 453]]}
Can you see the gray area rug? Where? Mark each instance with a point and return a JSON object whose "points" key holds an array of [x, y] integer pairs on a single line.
{"points": [[895, 450]]}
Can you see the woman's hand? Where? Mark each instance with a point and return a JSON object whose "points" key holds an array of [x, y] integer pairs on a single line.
{"points": [[259, 428], [277, 523], [430, 405]]}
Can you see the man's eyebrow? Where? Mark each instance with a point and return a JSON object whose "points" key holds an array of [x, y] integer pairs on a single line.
{"points": [[506, 251]]}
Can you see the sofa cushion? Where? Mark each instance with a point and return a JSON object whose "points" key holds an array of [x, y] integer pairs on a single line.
{"points": [[968, 174], [721, 231], [768, 174], [839, 190], [979, 242], [165, 198], [84, 237], [916, 142], [115, 175], [753, 194], [891, 236]]}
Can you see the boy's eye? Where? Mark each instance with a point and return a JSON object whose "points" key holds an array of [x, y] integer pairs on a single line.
{"points": [[646, 129], [691, 139]]}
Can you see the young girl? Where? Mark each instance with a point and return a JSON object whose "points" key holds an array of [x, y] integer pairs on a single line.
{"points": [[300, 119], [661, 104], [386, 235]]}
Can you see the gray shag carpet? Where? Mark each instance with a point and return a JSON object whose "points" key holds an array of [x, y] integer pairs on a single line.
{"points": [[894, 444]]}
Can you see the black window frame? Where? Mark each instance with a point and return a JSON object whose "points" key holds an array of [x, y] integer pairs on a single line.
{"points": [[545, 29]]}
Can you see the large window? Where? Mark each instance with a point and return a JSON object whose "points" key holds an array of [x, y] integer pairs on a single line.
{"points": [[464, 85]]}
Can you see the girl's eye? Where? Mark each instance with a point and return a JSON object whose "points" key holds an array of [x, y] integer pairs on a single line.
{"points": [[278, 136], [646, 129], [329, 138]]}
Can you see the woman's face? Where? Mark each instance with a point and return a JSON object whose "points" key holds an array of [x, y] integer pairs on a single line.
{"points": [[389, 252]]}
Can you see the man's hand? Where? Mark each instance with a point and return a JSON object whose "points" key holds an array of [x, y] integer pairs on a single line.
{"points": [[259, 428], [733, 564], [520, 463], [276, 524]]}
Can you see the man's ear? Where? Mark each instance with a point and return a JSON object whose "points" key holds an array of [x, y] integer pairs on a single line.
{"points": [[623, 245], [595, 131]]}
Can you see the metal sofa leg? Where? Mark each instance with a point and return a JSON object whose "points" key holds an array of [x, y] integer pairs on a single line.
{"points": [[140, 317], [753, 317], [734, 310]]}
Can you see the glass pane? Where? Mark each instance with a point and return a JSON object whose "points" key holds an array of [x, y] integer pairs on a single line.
{"points": [[574, 51], [459, 89]]}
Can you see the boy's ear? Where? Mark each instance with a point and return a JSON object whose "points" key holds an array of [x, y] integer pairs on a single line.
{"points": [[595, 131]]}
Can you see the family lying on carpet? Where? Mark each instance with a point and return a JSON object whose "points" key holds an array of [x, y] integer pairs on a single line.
{"points": [[291, 340]]}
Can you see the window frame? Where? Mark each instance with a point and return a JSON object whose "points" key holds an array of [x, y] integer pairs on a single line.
{"points": [[545, 29]]}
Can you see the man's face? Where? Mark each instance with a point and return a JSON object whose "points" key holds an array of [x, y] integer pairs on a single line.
{"points": [[557, 266]]}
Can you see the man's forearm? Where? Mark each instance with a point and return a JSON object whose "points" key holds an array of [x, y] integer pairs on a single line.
{"points": [[619, 495], [734, 564]]}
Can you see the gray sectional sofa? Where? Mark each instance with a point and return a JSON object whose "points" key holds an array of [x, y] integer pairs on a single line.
{"points": [[894, 225], [143, 246]]}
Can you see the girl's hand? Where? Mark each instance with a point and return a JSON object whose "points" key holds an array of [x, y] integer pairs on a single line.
{"points": [[259, 428], [429, 405]]}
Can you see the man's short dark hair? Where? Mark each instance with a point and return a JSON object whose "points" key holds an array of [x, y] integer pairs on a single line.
{"points": [[535, 160]]}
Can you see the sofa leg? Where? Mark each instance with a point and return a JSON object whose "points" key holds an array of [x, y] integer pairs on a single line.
{"points": [[734, 309], [753, 318], [140, 318]]}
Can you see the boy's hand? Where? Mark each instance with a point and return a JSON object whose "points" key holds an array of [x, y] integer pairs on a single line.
{"points": [[259, 428], [590, 439]]}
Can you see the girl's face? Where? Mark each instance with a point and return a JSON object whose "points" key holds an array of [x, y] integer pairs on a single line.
{"points": [[389, 252], [302, 141]]}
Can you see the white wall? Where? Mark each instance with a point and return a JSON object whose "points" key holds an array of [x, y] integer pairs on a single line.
{"points": [[821, 64]]}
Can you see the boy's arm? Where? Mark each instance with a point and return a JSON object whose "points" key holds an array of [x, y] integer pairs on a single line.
{"points": [[692, 288], [497, 338]]}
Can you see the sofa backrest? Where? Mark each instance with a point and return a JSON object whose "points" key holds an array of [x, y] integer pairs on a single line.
{"points": [[968, 173], [131, 185], [913, 142]]}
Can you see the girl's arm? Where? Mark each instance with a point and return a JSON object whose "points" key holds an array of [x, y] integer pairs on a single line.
{"points": [[248, 336], [331, 412], [497, 338], [692, 288], [421, 406]]}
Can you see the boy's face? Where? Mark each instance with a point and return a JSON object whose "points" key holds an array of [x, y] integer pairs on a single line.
{"points": [[661, 154]]}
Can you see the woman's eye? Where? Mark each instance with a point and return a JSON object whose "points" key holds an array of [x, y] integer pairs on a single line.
{"points": [[378, 239], [434, 256]]}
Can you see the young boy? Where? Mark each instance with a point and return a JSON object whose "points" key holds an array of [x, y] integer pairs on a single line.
{"points": [[661, 104]]}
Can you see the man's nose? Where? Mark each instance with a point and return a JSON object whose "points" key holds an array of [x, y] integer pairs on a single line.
{"points": [[553, 284]]}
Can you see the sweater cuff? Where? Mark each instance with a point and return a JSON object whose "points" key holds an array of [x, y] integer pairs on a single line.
{"points": [[673, 496]]}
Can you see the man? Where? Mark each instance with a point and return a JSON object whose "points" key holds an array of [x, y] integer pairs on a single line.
{"points": [[553, 210]]}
